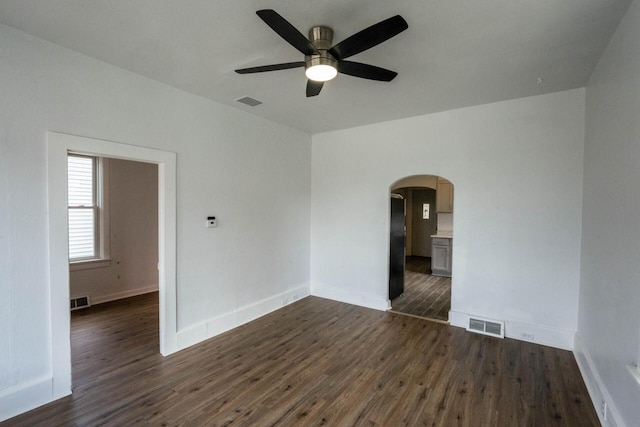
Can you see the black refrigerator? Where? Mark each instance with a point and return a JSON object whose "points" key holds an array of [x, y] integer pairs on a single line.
{"points": [[396, 247]]}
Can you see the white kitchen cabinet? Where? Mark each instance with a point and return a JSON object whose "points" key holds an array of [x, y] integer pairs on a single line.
{"points": [[441, 249], [444, 196]]}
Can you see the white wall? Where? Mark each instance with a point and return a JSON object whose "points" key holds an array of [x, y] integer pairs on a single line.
{"points": [[517, 170], [252, 174], [609, 318], [133, 236]]}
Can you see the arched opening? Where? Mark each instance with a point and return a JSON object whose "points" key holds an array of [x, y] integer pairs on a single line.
{"points": [[421, 246]]}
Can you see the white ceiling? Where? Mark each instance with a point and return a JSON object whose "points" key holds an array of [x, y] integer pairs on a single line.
{"points": [[456, 53]]}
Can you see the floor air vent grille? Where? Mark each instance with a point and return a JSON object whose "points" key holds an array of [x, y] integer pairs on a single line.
{"points": [[486, 327], [80, 302]]}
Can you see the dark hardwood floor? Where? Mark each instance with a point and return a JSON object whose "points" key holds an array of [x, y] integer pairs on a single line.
{"points": [[315, 362], [424, 295]]}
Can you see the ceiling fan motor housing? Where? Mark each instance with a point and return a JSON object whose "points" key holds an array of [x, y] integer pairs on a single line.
{"points": [[322, 38]]}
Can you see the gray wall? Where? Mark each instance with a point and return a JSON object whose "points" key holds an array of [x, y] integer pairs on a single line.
{"points": [[421, 229]]}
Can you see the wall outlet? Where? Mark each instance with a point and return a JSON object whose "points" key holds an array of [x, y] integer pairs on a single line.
{"points": [[603, 409], [528, 337]]}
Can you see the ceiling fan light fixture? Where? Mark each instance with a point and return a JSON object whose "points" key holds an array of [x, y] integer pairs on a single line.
{"points": [[321, 68], [321, 73]]}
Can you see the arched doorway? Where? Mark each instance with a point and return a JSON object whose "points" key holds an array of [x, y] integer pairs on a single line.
{"points": [[420, 271]]}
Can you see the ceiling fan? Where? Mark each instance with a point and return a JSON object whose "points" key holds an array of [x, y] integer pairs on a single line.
{"points": [[322, 61]]}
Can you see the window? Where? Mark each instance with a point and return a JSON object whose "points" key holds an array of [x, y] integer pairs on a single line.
{"points": [[88, 211], [83, 208]]}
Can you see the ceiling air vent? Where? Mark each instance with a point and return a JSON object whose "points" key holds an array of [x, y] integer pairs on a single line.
{"points": [[80, 302], [249, 101], [486, 327]]}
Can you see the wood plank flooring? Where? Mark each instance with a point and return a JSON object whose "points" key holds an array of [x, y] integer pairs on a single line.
{"points": [[315, 362], [424, 295]]}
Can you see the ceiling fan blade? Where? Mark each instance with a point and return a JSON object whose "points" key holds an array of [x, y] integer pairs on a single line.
{"points": [[313, 88], [369, 37], [273, 67], [366, 71], [287, 31]]}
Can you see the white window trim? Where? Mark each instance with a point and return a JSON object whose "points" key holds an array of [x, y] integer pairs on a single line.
{"points": [[102, 258], [87, 264]]}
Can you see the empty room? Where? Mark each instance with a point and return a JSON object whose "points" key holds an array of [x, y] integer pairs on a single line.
{"points": [[307, 163]]}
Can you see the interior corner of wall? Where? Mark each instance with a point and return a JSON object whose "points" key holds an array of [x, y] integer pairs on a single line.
{"points": [[596, 388]]}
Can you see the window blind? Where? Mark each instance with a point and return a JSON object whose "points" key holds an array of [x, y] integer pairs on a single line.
{"points": [[82, 207]]}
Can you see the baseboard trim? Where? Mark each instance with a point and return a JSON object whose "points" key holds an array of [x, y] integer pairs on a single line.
{"points": [[25, 397], [227, 321], [125, 294], [596, 388], [350, 297], [551, 337]]}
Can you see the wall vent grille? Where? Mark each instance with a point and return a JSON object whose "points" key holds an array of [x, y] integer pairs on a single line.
{"points": [[486, 327], [80, 302]]}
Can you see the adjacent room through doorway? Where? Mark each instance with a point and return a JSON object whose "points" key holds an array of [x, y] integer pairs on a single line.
{"points": [[420, 283], [113, 262]]}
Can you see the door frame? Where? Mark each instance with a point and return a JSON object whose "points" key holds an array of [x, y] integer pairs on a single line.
{"points": [[58, 146]]}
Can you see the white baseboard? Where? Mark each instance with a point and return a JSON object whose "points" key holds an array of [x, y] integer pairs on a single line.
{"points": [[595, 386], [350, 297], [120, 295], [25, 397], [225, 322], [557, 338], [459, 319]]}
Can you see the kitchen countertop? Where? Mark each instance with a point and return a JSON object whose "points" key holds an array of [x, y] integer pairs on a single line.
{"points": [[443, 235]]}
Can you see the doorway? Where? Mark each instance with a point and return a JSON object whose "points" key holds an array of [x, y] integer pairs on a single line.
{"points": [[428, 223], [113, 248], [59, 145], [423, 220]]}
